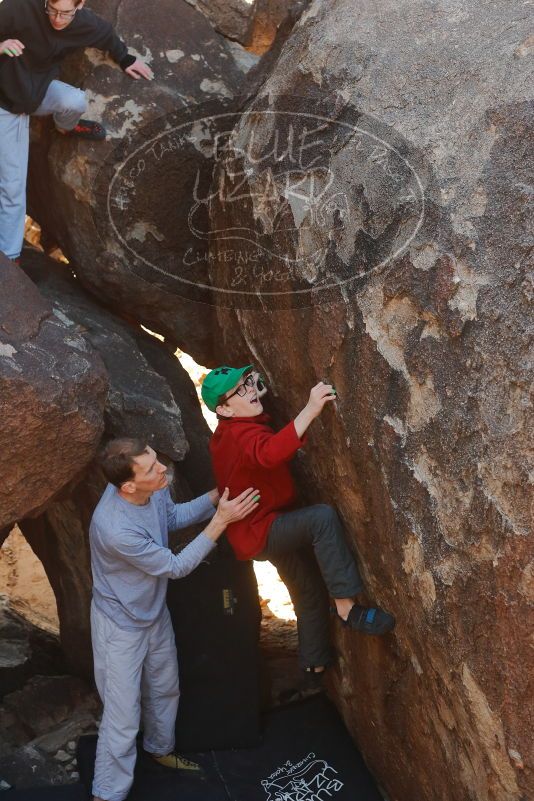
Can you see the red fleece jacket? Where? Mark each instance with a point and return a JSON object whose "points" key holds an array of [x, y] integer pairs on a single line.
{"points": [[246, 453]]}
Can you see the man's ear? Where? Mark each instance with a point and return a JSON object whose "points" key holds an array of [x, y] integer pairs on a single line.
{"points": [[224, 411], [80, 4], [128, 487]]}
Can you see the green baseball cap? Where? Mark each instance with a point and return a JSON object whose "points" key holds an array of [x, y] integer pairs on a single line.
{"points": [[220, 381]]}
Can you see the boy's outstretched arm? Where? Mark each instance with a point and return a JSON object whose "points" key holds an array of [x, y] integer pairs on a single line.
{"points": [[269, 450], [320, 395]]}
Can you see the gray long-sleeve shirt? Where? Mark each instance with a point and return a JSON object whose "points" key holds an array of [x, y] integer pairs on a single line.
{"points": [[130, 557]]}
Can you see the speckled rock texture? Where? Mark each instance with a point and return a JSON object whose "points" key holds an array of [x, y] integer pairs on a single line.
{"points": [[405, 281], [53, 388], [139, 402], [119, 208]]}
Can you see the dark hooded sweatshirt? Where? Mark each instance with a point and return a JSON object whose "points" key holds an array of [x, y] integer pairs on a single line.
{"points": [[24, 79]]}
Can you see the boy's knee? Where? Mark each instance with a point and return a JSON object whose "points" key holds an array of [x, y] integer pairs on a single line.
{"points": [[327, 514], [325, 510], [77, 103]]}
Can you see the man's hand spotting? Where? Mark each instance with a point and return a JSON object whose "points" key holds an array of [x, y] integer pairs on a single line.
{"points": [[239, 507], [231, 511]]}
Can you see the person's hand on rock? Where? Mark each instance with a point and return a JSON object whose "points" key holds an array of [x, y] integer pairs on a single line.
{"points": [[320, 394], [139, 70]]}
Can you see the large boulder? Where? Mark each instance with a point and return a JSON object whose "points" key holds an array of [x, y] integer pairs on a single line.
{"points": [[195, 467], [231, 18], [270, 16], [139, 402], [52, 393], [59, 538], [120, 209], [145, 399], [253, 23], [383, 240]]}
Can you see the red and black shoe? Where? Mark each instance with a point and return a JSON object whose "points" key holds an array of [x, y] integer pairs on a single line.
{"points": [[88, 129]]}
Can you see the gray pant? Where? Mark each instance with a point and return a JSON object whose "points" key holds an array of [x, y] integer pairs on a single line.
{"points": [[136, 673], [66, 104], [312, 576]]}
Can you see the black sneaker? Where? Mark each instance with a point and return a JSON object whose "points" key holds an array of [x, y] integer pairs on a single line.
{"points": [[369, 620], [314, 680]]}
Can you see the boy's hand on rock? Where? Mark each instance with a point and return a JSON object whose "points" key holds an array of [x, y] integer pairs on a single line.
{"points": [[11, 48], [139, 70], [239, 507], [320, 395]]}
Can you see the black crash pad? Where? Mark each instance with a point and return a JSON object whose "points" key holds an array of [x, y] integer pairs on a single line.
{"points": [[216, 616], [306, 755], [65, 792]]}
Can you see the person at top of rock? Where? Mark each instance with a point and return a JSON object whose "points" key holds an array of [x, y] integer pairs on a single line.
{"points": [[245, 450], [35, 36], [132, 636]]}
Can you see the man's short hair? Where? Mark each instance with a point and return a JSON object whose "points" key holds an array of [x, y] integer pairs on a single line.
{"points": [[117, 459]]}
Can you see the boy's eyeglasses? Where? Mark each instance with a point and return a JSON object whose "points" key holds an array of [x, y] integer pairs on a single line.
{"points": [[59, 14], [242, 388]]}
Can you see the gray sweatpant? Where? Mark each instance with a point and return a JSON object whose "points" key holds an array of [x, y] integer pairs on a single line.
{"points": [[66, 104], [136, 673], [312, 574]]}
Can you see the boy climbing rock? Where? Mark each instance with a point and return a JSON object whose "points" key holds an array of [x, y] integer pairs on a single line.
{"points": [[247, 452], [35, 36]]}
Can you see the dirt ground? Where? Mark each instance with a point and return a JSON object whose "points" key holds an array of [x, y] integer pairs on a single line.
{"points": [[24, 581]]}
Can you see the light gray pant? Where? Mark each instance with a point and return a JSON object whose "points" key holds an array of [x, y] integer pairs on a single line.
{"points": [[309, 549], [136, 672], [66, 104]]}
